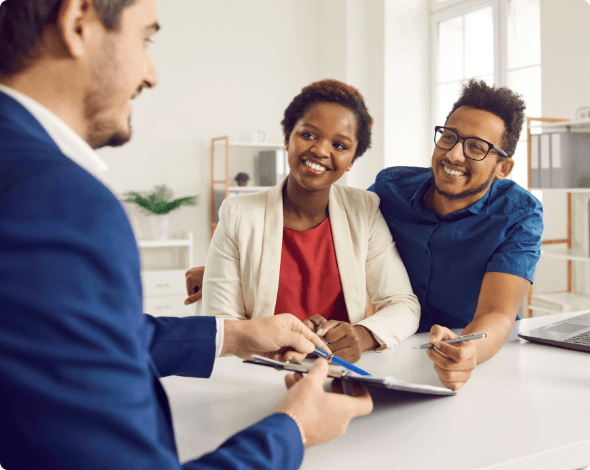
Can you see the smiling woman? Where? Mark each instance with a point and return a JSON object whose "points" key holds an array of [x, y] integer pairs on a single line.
{"points": [[311, 247]]}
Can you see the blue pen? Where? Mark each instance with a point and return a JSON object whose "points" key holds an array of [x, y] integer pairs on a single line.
{"points": [[336, 360]]}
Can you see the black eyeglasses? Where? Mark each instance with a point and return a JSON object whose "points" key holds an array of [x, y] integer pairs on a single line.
{"points": [[473, 147]]}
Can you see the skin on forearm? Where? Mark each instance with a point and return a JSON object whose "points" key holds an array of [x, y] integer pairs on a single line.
{"points": [[230, 337], [367, 339], [496, 326], [500, 298]]}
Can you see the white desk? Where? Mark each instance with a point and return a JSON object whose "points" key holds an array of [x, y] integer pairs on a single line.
{"points": [[526, 408]]}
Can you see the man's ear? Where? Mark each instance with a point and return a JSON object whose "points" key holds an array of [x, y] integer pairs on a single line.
{"points": [[504, 168], [76, 20]]}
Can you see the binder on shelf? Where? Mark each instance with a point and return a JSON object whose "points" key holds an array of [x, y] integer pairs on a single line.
{"points": [[535, 176], [545, 161], [575, 153], [271, 167], [560, 160], [557, 167]]}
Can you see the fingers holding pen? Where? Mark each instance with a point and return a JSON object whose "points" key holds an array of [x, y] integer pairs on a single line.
{"points": [[315, 323]]}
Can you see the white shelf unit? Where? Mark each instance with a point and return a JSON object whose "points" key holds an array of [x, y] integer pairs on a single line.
{"points": [[563, 249], [227, 144], [164, 263]]}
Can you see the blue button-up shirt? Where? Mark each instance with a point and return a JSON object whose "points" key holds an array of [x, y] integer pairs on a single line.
{"points": [[447, 258]]}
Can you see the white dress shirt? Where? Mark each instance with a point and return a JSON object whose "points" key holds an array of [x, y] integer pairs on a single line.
{"points": [[77, 150]]}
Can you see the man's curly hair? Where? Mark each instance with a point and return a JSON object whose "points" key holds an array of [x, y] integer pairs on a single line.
{"points": [[501, 101], [331, 91]]}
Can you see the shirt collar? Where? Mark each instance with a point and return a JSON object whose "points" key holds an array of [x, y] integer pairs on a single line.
{"points": [[70, 143], [418, 199]]}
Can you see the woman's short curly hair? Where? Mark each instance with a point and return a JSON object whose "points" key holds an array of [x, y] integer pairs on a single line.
{"points": [[331, 91], [503, 102]]}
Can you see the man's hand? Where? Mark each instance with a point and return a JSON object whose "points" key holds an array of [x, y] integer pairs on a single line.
{"points": [[323, 415], [459, 359], [281, 337], [347, 341], [194, 284]]}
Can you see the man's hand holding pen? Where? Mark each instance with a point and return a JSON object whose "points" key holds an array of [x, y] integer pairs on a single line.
{"points": [[320, 415], [452, 362]]}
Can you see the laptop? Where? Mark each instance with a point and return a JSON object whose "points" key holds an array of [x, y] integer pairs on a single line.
{"points": [[573, 333]]}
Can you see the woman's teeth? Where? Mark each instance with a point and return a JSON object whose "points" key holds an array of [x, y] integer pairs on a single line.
{"points": [[452, 172], [315, 167]]}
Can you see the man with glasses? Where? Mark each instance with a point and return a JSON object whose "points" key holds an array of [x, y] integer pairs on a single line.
{"points": [[469, 237]]}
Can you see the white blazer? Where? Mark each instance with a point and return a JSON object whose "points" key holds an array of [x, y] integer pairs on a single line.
{"points": [[241, 277]]}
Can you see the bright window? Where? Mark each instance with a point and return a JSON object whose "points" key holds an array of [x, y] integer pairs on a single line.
{"points": [[498, 41]]}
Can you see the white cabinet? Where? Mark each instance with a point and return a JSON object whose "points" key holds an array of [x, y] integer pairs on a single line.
{"points": [[164, 263], [562, 279]]}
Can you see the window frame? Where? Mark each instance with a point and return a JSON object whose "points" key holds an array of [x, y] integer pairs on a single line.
{"points": [[450, 8]]}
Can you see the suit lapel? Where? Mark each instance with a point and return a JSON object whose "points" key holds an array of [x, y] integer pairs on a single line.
{"points": [[345, 257], [272, 245]]}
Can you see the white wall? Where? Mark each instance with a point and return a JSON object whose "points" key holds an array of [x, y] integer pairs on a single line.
{"points": [[565, 63], [227, 67], [407, 84]]}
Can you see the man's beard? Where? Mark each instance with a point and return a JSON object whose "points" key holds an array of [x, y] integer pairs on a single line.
{"points": [[104, 131], [469, 192], [106, 134]]}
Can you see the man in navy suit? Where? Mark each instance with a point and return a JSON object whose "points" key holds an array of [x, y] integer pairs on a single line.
{"points": [[79, 362]]}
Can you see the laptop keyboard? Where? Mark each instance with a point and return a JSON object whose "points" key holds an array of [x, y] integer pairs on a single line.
{"points": [[583, 338]]}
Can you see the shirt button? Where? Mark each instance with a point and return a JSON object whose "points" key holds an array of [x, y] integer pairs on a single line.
{"points": [[423, 286], [426, 251]]}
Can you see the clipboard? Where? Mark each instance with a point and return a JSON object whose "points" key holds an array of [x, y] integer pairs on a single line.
{"points": [[383, 382]]}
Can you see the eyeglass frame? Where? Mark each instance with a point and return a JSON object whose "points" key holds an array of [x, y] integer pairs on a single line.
{"points": [[463, 139]]}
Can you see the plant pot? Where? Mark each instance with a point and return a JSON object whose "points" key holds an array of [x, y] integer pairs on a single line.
{"points": [[160, 225]]}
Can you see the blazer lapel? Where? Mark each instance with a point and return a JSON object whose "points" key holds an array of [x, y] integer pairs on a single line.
{"points": [[272, 245], [354, 297]]}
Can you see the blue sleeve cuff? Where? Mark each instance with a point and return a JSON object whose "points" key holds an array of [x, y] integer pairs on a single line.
{"points": [[274, 442]]}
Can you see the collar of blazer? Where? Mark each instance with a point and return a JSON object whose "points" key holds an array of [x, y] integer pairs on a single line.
{"points": [[270, 265]]}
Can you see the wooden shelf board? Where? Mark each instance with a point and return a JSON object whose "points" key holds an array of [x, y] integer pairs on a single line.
{"points": [[584, 123], [254, 144], [164, 243], [562, 190], [558, 302], [574, 254], [247, 189], [160, 272]]}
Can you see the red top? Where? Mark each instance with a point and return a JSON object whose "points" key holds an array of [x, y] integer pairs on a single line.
{"points": [[309, 283]]}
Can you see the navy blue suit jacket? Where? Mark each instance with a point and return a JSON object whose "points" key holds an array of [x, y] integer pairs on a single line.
{"points": [[79, 362]]}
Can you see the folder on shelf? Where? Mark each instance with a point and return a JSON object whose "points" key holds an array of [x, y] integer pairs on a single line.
{"points": [[557, 165], [535, 176], [545, 161]]}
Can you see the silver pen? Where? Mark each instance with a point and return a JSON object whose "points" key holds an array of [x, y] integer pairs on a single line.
{"points": [[455, 340]]}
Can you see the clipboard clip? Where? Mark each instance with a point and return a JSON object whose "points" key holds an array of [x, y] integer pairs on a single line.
{"points": [[291, 366]]}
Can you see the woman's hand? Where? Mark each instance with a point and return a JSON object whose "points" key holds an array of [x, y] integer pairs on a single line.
{"points": [[347, 341], [315, 323], [194, 284]]}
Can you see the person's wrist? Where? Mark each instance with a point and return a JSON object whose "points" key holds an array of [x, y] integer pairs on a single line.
{"points": [[299, 425], [368, 341], [229, 337]]}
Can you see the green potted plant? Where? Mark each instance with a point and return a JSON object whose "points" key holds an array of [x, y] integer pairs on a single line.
{"points": [[158, 204]]}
